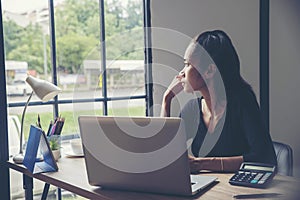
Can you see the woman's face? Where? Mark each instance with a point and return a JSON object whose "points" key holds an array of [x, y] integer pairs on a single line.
{"points": [[189, 76]]}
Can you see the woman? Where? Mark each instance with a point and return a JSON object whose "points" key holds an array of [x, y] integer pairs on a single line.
{"points": [[228, 113]]}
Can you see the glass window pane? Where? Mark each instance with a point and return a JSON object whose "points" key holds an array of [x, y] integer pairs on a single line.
{"points": [[71, 112], [77, 29], [26, 38], [124, 45], [134, 107], [31, 117]]}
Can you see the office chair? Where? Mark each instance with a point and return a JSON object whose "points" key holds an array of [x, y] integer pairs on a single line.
{"points": [[284, 154]]}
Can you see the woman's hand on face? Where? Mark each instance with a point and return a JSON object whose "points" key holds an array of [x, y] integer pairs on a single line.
{"points": [[174, 88]]}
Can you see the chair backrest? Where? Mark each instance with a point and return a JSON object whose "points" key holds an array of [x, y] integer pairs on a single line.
{"points": [[14, 127], [284, 154]]}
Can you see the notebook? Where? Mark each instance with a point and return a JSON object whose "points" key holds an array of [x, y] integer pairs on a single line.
{"points": [[144, 154], [38, 140]]}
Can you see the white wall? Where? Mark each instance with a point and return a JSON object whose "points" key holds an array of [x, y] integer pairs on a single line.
{"points": [[182, 20], [239, 18], [285, 74]]}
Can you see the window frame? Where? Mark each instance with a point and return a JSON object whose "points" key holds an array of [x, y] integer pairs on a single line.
{"points": [[148, 96]]}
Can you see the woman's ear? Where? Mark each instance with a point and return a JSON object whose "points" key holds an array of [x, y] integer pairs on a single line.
{"points": [[210, 72]]}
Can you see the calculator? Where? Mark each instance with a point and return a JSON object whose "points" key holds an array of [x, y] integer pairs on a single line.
{"points": [[251, 174]]}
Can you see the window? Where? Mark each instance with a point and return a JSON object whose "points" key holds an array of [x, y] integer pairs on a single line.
{"points": [[92, 49], [96, 77]]}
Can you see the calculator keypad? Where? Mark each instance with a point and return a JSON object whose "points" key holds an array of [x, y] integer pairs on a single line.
{"points": [[250, 178]]}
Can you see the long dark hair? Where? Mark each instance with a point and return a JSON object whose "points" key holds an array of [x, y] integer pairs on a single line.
{"points": [[221, 50]]}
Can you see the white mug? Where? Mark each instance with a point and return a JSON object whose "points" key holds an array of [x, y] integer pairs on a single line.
{"points": [[76, 146]]}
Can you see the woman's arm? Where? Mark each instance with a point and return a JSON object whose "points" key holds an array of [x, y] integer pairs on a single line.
{"points": [[166, 105], [228, 164], [174, 88]]}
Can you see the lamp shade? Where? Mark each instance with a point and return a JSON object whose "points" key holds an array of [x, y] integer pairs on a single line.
{"points": [[43, 89]]}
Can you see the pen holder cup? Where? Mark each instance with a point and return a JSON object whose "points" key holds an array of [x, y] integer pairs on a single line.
{"points": [[55, 145]]}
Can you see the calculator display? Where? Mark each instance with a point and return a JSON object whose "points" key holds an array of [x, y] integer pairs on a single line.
{"points": [[261, 168]]}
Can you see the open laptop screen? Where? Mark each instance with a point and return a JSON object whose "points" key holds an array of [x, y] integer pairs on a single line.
{"points": [[140, 153]]}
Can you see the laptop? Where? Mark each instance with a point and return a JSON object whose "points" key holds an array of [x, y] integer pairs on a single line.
{"points": [[144, 154]]}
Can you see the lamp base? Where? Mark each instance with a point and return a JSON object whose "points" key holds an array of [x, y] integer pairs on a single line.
{"points": [[18, 158]]}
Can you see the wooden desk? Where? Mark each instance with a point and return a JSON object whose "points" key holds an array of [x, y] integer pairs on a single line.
{"points": [[72, 177]]}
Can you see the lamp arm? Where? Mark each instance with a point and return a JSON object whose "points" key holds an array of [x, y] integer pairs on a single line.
{"points": [[22, 124]]}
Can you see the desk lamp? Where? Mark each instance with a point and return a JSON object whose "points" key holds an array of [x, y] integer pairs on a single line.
{"points": [[45, 91]]}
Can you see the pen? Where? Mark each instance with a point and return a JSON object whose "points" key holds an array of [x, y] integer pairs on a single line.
{"points": [[53, 128], [39, 121], [49, 128], [260, 195], [59, 126]]}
